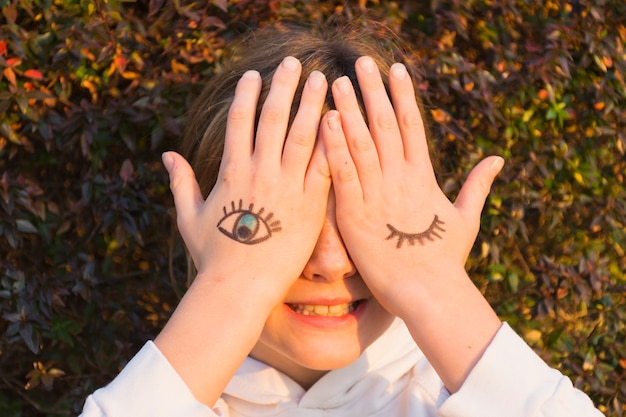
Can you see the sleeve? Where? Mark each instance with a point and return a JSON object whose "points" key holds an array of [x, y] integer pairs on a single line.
{"points": [[511, 380], [147, 386]]}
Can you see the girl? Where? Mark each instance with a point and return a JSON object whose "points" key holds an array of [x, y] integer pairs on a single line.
{"points": [[330, 265]]}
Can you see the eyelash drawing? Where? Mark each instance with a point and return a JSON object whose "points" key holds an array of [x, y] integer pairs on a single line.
{"points": [[428, 234], [246, 225]]}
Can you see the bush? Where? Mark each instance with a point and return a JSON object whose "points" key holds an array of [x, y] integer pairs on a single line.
{"points": [[92, 92]]}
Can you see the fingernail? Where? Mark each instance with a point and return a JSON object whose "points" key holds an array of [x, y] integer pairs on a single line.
{"points": [[344, 85], [497, 164], [168, 160], [251, 75], [316, 80], [398, 71], [291, 63], [367, 64], [332, 118]]}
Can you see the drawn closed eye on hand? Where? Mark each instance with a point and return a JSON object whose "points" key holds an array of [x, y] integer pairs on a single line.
{"points": [[245, 226], [428, 234]]}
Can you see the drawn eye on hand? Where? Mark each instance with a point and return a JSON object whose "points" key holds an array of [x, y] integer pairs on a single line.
{"points": [[245, 226], [429, 234]]}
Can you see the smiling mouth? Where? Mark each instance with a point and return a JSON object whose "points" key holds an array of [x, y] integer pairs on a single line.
{"points": [[336, 310]]}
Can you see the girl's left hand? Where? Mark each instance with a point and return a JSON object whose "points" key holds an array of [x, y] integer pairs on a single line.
{"points": [[401, 231]]}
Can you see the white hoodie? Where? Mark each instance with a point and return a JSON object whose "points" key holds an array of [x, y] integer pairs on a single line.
{"points": [[391, 378]]}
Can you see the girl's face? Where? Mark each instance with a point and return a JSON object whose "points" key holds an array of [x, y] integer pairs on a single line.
{"points": [[328, 318]]}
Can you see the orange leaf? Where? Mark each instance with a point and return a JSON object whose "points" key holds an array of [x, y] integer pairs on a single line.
{"points": [[10, 74], [440, 116], [120, 62], [33, 73], [177, 67], [10, 12]]}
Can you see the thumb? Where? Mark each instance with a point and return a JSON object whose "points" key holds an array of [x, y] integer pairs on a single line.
{"points": [[471, 198], [184, 186]]}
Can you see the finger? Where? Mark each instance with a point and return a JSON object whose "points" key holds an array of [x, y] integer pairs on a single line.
{"points": [[359, 140], [318, 177], [471, 198], [343, 171], [303, 132], [272, 128], [185, 189], [241, 117], [381, 117], [409, 117]]}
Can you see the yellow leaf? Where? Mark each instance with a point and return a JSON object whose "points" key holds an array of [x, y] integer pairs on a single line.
{"points": [[130, 75], [579, 178], [532, 336]]}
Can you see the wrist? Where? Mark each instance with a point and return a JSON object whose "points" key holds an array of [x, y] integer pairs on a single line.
{"points": [[451, 322], [239, 291], [213, 329]]}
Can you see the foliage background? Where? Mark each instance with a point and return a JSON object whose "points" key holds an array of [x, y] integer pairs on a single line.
{"points": [[91, 92]]}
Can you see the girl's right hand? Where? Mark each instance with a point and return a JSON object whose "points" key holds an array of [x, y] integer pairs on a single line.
{"points": [[251, 238], [262, 219]]}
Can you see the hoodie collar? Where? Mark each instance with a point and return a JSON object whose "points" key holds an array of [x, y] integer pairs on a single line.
{"points": [[378, 371]]}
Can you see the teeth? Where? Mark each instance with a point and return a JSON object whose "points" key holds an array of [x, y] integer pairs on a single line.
{"points": [[323, 310]]}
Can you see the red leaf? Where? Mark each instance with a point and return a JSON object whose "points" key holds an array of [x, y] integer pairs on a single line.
{"points": [[3, 48], [33, 73], [14, 61]]}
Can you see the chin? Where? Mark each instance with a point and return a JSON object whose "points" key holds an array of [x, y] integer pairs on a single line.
{"points": [[327, 357]]}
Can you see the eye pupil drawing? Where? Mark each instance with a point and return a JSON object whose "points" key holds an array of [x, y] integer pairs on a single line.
{"points": [[245, 226], [427, 235]]}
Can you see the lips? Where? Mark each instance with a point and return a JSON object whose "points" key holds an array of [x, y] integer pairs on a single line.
{"points": [[321, 310]]}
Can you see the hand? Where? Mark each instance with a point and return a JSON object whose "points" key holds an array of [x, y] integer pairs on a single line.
{"points": [[400, 229], [263, 217], [246, 259]]}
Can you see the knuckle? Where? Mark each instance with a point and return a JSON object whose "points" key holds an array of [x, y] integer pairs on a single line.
{"points": [[323, 170], [237, 113], [364, 144], [411, 121], [175, 181], [386, 121], [347, 174], [300, 138], [485, 187], [272, 115]]}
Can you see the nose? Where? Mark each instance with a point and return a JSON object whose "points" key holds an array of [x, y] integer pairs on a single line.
{"points": [[330, 260]]}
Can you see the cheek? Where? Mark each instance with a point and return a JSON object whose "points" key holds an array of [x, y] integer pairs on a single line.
{"points": [[375, 324]]}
